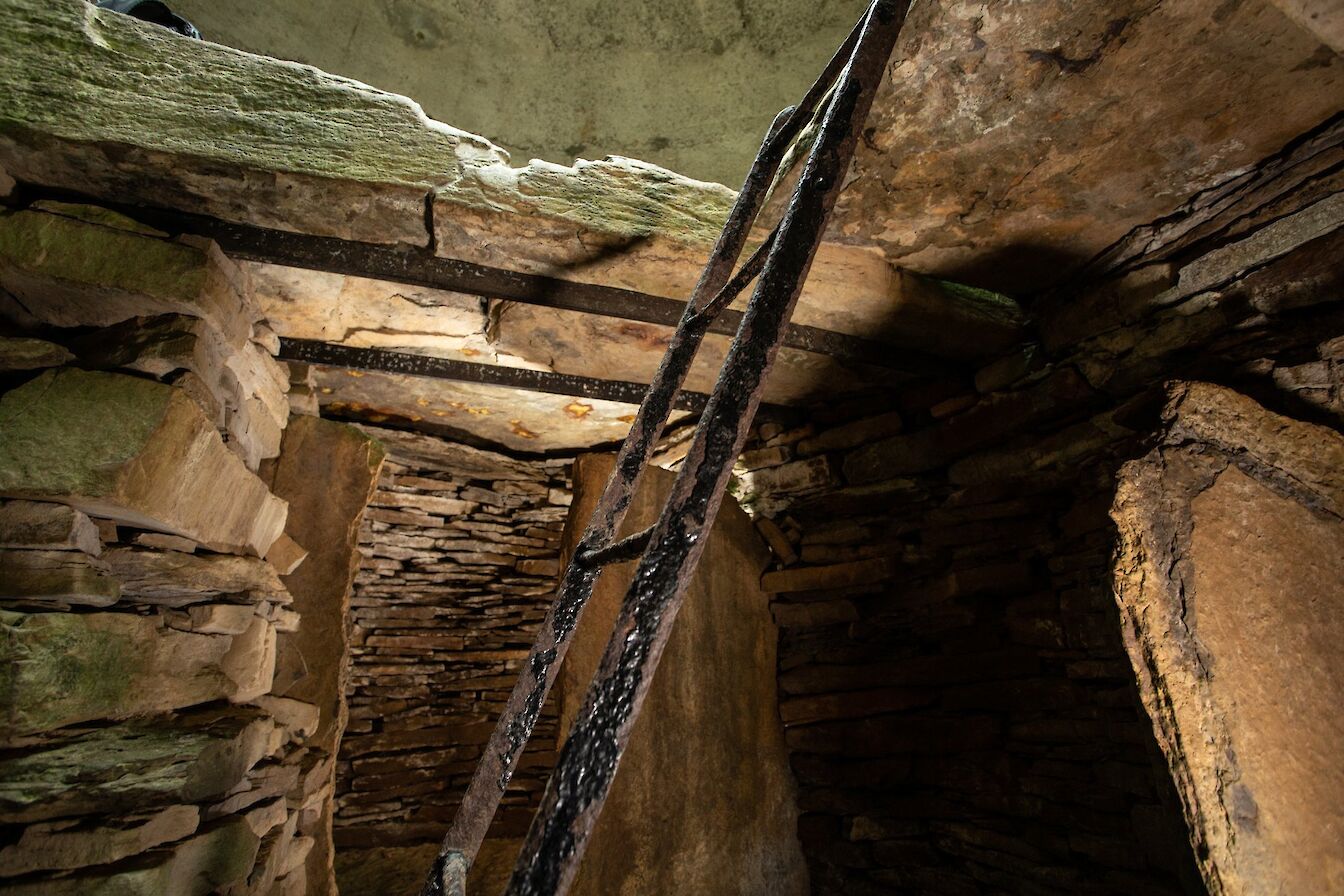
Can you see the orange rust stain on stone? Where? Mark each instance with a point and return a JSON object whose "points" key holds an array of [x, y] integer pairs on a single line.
{"points": [[653, 338], [578, 410], [520, 430], [626, 418], [470, 352]]}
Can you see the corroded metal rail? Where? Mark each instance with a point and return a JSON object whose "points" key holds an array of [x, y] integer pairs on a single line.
{"points": [[671, 549]]}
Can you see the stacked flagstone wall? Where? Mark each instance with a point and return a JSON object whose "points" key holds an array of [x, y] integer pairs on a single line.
{"points": [[162, 565], [461, 554], [959, 704]]}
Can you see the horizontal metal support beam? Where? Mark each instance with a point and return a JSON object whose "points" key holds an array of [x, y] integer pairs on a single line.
{"points": [[330, 354], [421, 267]]}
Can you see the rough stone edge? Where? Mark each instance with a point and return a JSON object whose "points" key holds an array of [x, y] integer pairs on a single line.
{"points": [[613, 205], [1207, 428]]}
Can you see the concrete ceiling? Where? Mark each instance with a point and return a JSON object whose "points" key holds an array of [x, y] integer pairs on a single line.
{"points": [[690, 86]]}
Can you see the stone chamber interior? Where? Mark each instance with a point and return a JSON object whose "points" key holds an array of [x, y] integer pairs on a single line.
{"points": [[1033, 577]]}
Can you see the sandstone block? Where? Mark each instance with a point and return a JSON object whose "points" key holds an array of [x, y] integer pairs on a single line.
{"points": [[135, 451], [51, 527], [220, 619], [297, 717], [245, 385], [779, 543], [19, 353], [286, 555], [211, 861], [1229, 577], [159, 542], [67, 844], [992, 418], [56, 578], [121, 768], [839, 575], [850, 435], [73, 273], [176, 579], [547, 568], [63, 668]]}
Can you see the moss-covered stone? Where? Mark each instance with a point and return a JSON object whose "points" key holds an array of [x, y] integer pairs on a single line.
{"points": [[103, 257], [55, 578], [136, 451], [19, 353], [68, 268], [63, 668], [133, 765], [96, 214]]}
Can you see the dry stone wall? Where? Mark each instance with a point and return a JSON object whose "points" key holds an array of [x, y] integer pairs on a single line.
{"points": [[148, 743], [460, 563], [959, 706]]}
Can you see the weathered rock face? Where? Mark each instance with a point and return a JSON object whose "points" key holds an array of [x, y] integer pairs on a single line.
{"points": [[62, 668], [140, 452], [991, 116], [346, 462], [1230, 580], [617, 222], [703, 800], [949, 633], [1015, 141], [690, 87], [82, 266], [147, 746]]}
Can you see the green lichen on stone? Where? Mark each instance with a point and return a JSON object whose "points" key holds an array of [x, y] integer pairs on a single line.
{"points": [[58, 667], [149, 762], [210, 116], [96, 214], [620, 198], [70, 432], [84, 74], [20, 353], [62, 248], [988, 303]]}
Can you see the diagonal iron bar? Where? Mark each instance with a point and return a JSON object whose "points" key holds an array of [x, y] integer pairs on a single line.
{"points": [[577, 788], [712, 292]]}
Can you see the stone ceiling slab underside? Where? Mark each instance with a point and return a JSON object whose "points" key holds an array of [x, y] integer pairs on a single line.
{"points": [[1014, 141], [1004, 150]]}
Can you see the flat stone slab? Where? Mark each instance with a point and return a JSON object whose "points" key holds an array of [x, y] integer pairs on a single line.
{"points": [[51, 527], [219, 856], [972, 172], [66, 844], [135, 451], [64, 668], [118, 769], [1230, 581]]}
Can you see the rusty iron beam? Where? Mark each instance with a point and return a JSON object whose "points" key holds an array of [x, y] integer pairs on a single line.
{"points": [[421, 267], [329, 354], [578, 786], [501, 753]]}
